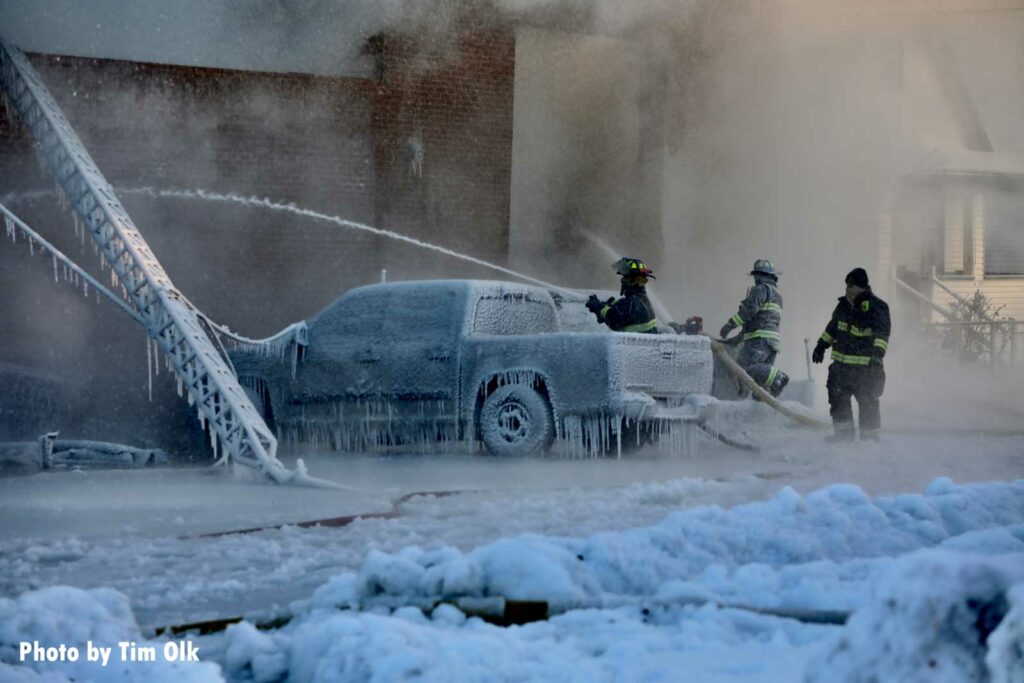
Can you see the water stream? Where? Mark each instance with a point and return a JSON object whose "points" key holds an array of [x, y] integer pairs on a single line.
{"points": [[265, 203], [659, 307]]}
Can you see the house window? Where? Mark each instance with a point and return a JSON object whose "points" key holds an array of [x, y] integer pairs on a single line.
{"points": [[1003, 220], [958, 237]]}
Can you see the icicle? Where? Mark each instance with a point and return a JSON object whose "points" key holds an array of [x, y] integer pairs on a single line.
{"points": [[179, 386], [149, 367], [55, 278], [156, 357], [85, 288], [213, 441], [9, 225], [31, 246]]}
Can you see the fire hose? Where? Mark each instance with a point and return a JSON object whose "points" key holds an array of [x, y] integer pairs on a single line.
{"points": [[720, 349]]}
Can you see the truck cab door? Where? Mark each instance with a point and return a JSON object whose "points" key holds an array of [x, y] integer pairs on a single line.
{"points": [[422, 327], [340, 391]]}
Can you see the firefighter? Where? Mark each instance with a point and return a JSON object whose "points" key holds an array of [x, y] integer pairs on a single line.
{"points": [[632, 312], [859, 336], [760, 315]]}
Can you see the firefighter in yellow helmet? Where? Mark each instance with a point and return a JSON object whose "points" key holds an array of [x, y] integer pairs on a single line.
{"points": [[632, 312]]}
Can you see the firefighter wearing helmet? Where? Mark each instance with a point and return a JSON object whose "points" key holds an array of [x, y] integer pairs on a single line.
{"points": [[632, 312], [760, 316]]}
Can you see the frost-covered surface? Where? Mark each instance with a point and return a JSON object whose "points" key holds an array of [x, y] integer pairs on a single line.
{"points": [[28, 402], [73, 617], [654, 531], [652, 602], [573, 315], [410, 363], [674, 365], [756, 553], [936, 617]]}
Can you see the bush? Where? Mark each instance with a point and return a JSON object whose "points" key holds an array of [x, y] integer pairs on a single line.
{"points": [[972, 342]]}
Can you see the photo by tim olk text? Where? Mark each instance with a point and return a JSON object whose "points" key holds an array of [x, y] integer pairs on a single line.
{"points": [[124, 651]]}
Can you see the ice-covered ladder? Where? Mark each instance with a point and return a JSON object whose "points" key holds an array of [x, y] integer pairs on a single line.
{"points": [[170, 319]]}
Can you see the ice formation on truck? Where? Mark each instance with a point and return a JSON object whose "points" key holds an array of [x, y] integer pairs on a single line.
{"points": [[177, 327], [512, 366]]}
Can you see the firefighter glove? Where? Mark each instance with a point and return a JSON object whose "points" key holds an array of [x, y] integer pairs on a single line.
{"points": [[818, 354], [595, 305], [726, 329]]}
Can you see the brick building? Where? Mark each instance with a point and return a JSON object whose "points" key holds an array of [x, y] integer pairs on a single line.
{"points": [[420, 142]]}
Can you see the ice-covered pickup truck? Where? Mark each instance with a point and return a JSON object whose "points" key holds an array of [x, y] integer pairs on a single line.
{"points": [[510, 365]]}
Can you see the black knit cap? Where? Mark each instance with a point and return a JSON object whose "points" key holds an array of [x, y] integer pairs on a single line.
{"points": [[858, 277]]}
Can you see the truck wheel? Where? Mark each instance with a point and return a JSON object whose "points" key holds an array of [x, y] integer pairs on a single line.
{"points": [[516, 421]]}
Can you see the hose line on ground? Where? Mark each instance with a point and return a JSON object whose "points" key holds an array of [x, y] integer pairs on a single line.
{"points": [[757, 390]]}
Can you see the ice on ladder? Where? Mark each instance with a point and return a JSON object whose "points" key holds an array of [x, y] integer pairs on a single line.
{"points": [[170, 319]]}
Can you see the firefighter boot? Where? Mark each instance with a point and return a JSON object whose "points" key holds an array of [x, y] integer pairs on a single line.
{"points": [[781, 380], [841, 432]]}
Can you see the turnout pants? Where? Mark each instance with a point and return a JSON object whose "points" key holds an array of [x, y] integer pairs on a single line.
{"points": [[863, 382], [757, 357]]}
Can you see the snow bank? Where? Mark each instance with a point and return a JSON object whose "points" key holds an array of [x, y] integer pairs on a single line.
{"points": [[646, 588], [935, 617], [590, 645], [647, 604], [74, 617], [791, 551]]}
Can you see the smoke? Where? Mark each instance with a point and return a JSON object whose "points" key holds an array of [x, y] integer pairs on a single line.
{"points": [[809, 126], [698, 135]]}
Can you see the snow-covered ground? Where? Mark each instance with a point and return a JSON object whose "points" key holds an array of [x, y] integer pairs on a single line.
{"points": [[646, 560]]}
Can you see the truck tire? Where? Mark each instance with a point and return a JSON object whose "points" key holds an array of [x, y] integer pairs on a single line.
{"points": [[516, 421]]}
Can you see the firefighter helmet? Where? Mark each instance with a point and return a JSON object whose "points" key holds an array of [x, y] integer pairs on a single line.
{"points": [[764, 267], [626, 266]]}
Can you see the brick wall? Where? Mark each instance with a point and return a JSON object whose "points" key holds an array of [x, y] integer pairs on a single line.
{"points": [[456, 102], [335, 145], [295, 139]]}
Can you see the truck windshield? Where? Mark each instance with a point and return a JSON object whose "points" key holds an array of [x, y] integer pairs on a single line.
{"points": [[514, 313]]}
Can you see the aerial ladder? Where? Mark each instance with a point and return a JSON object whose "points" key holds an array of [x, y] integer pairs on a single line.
{"points": [[180, 330]]}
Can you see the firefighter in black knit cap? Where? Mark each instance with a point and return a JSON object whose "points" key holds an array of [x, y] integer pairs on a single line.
{"points": [[859, 336]]}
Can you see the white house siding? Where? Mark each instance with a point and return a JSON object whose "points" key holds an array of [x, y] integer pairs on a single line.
{"points": [[1001, 291]]}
